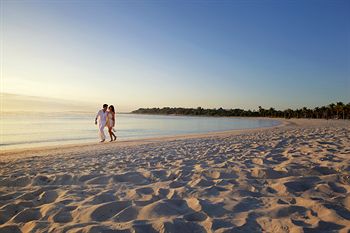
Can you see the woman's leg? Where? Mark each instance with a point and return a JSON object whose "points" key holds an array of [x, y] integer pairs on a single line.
{"points": [[115, 137], [110, 132]]}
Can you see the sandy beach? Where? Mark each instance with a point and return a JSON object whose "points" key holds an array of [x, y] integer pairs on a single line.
{"points": [[290, 178]]}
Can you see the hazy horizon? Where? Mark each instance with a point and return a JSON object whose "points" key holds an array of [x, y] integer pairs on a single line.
{"points": [[229, 54], [23, 103]]}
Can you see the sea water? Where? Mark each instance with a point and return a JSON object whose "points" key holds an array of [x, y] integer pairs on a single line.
{"points": [[24, 130]]}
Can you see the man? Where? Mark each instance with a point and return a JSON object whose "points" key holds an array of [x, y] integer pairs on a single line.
{"points": [[102, 116]]}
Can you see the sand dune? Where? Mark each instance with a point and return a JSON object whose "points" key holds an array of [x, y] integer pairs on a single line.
{"points": [[294, 178]]}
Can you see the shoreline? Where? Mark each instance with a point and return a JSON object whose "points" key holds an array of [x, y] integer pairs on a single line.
{"points": [[138, 141], [81, 147]]}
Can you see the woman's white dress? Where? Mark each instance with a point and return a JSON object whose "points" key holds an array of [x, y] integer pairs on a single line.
{"points": [[110, 122]]}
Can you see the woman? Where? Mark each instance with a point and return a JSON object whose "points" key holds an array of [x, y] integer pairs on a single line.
{"points": [[111, 122]]}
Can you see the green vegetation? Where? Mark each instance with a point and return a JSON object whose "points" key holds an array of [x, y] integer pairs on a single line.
{"points": [[332, 111]]}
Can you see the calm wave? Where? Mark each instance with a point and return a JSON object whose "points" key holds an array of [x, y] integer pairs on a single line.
{"points": [[33, 130]]}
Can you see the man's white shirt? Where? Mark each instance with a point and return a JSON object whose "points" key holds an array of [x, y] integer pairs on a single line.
{"points": [[102, 116]]}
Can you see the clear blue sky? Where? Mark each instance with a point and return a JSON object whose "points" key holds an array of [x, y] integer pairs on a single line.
{"points": [[178, 53]]}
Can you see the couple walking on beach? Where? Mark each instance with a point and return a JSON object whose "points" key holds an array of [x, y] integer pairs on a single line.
{"points": [[106, 118]]}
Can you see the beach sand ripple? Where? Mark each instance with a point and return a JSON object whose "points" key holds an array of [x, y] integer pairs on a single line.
{"points": [[292, 178]]}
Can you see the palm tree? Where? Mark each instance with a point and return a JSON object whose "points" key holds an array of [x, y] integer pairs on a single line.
{"points": [[317, 111], [272, 112], [347, 110], [331, 109], [261, 111], [339, 108], [288, 113], [304, 110], [324, 112]]}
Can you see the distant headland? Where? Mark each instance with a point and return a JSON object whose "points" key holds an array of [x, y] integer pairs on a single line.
{"points": [[337, 110]]}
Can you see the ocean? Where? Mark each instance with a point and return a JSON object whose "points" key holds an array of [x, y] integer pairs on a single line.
{"points": [[28, 130]]}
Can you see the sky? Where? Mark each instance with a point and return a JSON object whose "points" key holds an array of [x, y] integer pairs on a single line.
{"points": [[230, 54]]}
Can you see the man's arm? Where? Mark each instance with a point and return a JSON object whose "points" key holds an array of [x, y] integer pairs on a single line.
{"points": [[96, 117]]}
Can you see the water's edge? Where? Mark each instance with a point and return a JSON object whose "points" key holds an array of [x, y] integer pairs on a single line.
{"points": [[71, 130]]}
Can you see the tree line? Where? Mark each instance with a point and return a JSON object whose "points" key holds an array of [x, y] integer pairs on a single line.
{"points": [[338, 110]]}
